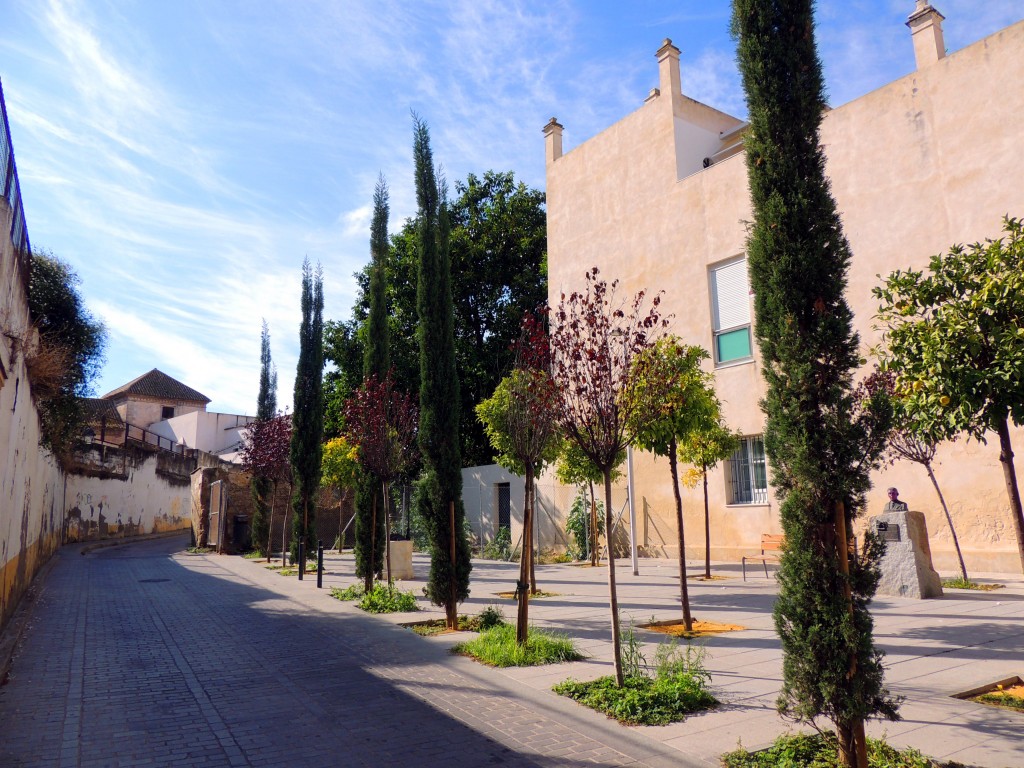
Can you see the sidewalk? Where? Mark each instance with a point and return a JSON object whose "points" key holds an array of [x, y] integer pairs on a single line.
{"points": [[934, 648]]}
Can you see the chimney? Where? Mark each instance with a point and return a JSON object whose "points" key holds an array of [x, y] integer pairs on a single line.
{"points": [[668, 69], [552, 140], [926, 31]]}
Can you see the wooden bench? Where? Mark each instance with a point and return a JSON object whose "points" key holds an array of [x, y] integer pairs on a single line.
{"points": [[771, 547]]}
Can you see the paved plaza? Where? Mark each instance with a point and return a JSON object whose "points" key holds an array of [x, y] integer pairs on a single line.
{"points": [[145, 655]]}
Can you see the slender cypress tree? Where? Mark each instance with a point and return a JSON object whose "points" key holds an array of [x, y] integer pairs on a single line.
{"points": [[308, 414], [819, 449], [370, 534], [266, 408], [439, 489]]}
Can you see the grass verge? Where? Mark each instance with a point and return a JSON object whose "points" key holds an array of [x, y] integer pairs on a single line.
{"points": [[489, 617], [386, 598], [353, 592], [498, 648], [821, 751], [642, 700], [959, 582]]}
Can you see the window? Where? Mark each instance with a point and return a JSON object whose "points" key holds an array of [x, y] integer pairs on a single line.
{"points": [[167, 412], [747, 473], [730, 309]]}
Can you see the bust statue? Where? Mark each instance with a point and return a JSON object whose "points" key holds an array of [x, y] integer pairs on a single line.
{"points": [[895, 505]]}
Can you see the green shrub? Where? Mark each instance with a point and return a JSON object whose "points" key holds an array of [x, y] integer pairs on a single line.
{"points": [[490, 617], [577, 524], [1002, 700], [679, 686], [497, 647], [821, 751], [500, 547], [384, 598], [353, 592]]}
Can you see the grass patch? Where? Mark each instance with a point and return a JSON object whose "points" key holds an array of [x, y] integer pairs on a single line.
{"points": [[498, 648], [553, 558], [489, 617], [386, 598], [354, 592], [198, 550], [821, 751], [959, 582], [678, 687], [1010, 696], [254, 555]]}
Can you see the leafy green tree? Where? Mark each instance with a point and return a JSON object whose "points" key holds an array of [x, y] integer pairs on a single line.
{"points": [[594, 339], [954, 338], [819, 451], [340, 469], [574, 468], [308, 416], [439, 489], [674, 393], [266, 407], [519, 420], [497, 248], [71, 341], [710, 442]]}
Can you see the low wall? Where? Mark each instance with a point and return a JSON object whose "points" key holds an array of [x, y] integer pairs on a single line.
{"points": [[152, 496]]}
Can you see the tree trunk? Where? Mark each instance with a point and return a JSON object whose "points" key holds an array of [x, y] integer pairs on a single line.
{"points": [[341, 520], [533, 532], [525, 563], [371, 569], [707, 525], [387, 530], [1006, 457], [451, 609], [684, 594], [852, 745], [270, 525], [595, 557], [949, 519], [613, 600]]}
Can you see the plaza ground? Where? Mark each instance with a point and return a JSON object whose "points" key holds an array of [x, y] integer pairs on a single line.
{"points": [[143, 654]]}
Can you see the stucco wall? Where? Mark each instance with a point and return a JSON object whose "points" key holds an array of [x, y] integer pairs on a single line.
{"points": [[927, 161], [148, 499], [31, 487]]}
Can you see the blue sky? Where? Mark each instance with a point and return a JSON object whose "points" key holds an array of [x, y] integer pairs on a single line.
{"points": [[185, 157]]}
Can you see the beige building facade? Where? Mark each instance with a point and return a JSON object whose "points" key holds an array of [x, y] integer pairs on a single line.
{"points": [[659, 201]]}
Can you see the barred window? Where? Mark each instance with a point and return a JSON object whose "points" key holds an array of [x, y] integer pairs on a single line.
{"points": [[747, 473]]}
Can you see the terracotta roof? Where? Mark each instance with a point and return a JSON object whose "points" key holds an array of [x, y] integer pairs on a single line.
{"points": [[158, 384], [96, 408]]}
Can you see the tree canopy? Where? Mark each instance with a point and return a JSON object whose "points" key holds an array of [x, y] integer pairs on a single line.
{"points": [[954, 338], [497, 248], [71, 342]]}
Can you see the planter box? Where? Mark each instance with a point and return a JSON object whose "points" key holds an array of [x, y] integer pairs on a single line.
{"points": [[401, 561]]}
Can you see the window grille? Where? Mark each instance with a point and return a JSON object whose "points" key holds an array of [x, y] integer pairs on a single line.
{"points": [[747, 473]]}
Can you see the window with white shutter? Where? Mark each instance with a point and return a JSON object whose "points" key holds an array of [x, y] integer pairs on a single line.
{"points": [[730, 309]]}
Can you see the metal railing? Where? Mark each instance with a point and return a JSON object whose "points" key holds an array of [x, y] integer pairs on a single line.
{"points": [[140, 436], [12, 193]]}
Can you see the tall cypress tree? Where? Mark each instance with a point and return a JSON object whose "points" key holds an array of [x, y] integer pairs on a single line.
{"points": [[308, 414], [440, 485], [819, 449], [370, 534], [266, 408]]}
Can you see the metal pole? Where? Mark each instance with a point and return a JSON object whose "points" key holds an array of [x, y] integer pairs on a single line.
{"points": [[302, 559], [319, 564], [632, 510]]}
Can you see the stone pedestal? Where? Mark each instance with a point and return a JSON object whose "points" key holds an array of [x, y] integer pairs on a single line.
{"points": [[907, 565], [401, 561]]}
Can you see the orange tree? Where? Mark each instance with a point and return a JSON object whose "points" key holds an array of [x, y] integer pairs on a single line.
{"points": [[520, 424], [673, 395], [595, 338], [954, 338]]}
